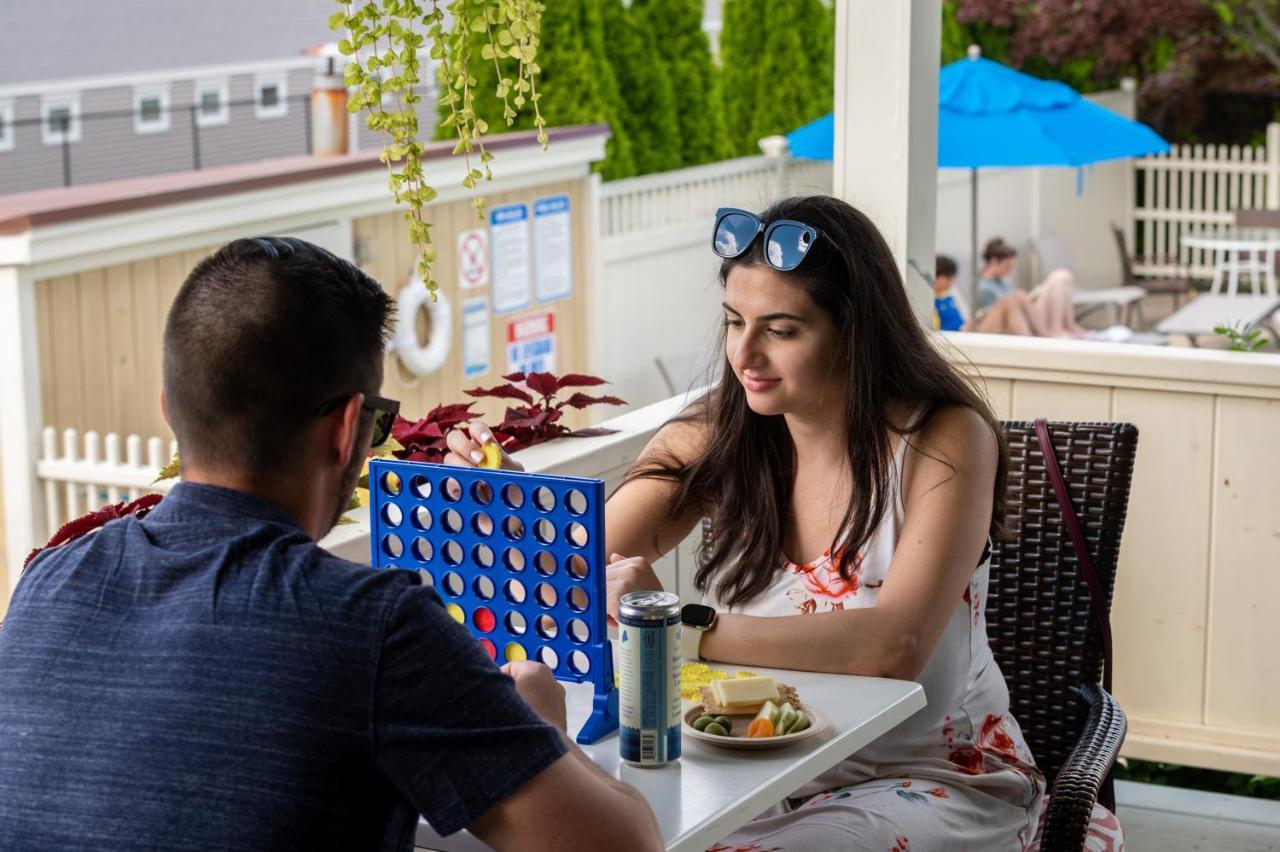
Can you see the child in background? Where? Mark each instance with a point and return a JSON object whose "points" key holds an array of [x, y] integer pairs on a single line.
{"points": [[947, 314]]}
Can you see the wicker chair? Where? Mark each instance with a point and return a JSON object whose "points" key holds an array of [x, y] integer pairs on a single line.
{"points": [[1040, 614]]}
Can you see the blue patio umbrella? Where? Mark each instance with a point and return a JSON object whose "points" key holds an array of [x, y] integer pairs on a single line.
{"points": [[991, 115]]}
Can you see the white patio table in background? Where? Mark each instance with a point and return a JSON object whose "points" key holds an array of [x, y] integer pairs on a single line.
{"points": [[1236, 250], [711, 791]]}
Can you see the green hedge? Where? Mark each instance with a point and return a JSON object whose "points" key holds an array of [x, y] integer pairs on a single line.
{"points": [[1193, 778]]}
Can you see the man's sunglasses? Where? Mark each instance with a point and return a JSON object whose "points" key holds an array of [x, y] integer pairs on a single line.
{"points": [[786, 241], [384, 413]]}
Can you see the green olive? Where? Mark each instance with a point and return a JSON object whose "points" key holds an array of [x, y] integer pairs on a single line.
{"points": [[724, 722], [700, 723], [717, 729]]}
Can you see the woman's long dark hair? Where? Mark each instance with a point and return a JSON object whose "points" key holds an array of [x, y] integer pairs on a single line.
{"points": [[744, 475]]}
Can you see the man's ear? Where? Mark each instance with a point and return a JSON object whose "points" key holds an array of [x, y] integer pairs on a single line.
{"points": [[164, 409], [348, 429]]}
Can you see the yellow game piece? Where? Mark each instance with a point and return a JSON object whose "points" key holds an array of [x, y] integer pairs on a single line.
{"points": [[457, 613], [492, 456], [515, 651]]}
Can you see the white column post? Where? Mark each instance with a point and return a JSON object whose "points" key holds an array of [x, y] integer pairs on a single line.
{"points": [[597, 301], [20, 421], [886, 116]]}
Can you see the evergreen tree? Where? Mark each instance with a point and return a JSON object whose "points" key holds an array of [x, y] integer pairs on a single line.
{"points": [[794, 80], [647, 107], [575, 83], [818, 33], [680, 43], [620, 154], [741, 41]]}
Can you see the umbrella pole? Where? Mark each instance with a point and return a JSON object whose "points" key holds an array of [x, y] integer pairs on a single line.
{"points": [[973, 239]]}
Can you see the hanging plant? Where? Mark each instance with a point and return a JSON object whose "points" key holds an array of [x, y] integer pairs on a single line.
{"points": [[383, 42]]}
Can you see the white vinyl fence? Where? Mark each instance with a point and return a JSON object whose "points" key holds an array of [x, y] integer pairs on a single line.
{"points": [[83, 473], [1197, 187]]}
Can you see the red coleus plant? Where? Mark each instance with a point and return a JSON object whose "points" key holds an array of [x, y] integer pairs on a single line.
{"points": [[539, 421], [72, 530], [522, 426]]}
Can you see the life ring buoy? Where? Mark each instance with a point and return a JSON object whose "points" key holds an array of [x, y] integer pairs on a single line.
{"points": [[416, 357]]}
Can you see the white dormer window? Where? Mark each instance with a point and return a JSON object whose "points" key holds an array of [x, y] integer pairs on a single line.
{"points": [[211, 103], [271, 96], [60, 119], [6, 125], [151, 109]]}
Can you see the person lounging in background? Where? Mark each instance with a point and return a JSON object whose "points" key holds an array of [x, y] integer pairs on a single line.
{"points": [[1046, 311], [1010, 314]]}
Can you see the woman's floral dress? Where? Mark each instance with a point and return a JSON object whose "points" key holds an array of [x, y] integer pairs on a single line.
{"points": [[956, 775]]}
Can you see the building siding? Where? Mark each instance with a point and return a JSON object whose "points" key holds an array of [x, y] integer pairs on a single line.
{"points": [[110, 148]]}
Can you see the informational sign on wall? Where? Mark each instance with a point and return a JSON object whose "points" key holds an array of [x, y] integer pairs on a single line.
{"points": [[552, 248], [473, 259], [531, 343], [475, 337], [509, 250]]}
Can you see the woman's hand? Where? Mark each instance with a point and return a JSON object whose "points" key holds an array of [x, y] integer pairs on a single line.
{"points": [[623, 575], [466, 447]]}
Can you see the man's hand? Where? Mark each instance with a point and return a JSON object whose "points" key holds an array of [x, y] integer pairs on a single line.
{"points": [[540, 690]]}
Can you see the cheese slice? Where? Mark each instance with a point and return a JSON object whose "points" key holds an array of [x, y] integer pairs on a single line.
{"points": [[735, 692]]}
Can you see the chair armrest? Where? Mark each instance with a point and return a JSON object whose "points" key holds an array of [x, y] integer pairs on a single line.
{"points": [[1076, 788]]}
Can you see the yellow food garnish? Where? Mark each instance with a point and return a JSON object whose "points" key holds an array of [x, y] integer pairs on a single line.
{"points": [[492, 456]]}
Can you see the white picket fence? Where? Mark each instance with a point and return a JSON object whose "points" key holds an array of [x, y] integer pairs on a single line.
{"points": [[1199, 187], [674, 198], [83, 473]]}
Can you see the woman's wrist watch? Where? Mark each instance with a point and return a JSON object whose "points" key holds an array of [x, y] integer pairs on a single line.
{"points": [[696, 620]]}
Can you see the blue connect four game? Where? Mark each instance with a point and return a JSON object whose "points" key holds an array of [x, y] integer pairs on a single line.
{"points": [[517, 558]]}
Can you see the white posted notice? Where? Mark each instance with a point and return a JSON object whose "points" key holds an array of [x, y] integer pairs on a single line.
{"points": [[475, 337], [553, 248], [510, 268]]}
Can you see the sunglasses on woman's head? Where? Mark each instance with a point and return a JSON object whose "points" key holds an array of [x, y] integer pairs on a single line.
{"points": [[786, 241], [384, 413]]}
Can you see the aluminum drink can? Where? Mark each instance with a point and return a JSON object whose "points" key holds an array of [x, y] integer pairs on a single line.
{"points": [[649, 671]]}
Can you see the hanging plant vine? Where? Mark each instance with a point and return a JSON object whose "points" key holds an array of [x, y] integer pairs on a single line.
{"points": [[383, 43]]}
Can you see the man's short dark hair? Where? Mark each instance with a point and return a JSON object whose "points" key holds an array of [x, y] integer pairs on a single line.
{"points": [[944, 267], [262, 332]]}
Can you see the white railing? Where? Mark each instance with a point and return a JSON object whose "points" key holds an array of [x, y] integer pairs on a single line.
{"points": [[83, 473], [1199, 187], [673, 198]]}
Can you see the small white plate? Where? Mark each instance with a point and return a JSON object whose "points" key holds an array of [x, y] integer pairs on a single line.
{"points": [[817, 722]]}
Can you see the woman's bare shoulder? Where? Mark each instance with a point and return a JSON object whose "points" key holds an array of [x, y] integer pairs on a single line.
{"points": [[956, 436], [683, 438]]}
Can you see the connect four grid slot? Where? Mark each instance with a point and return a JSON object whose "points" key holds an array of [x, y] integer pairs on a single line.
{"points": [[517, 558]]}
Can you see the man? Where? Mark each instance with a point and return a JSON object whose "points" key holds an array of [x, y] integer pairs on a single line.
{"points": [[209, 678]]}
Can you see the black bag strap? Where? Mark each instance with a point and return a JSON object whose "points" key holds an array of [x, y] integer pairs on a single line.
{"points": [[1100, 610]]}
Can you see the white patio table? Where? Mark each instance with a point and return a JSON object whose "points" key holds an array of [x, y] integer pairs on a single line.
{"points": [[1237, 250], [711, 791]]}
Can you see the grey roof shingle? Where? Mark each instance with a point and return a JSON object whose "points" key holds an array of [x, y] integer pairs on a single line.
{"points": [[48, 40]]}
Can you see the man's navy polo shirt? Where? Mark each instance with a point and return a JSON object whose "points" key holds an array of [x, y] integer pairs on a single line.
{"points": [[209, 678]]}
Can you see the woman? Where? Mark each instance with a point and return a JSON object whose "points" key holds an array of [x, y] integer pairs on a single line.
{"points": [[1047, 311], [852, 479]]}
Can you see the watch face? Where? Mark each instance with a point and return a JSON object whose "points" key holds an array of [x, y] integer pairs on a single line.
{"points": [[697, 615]]}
